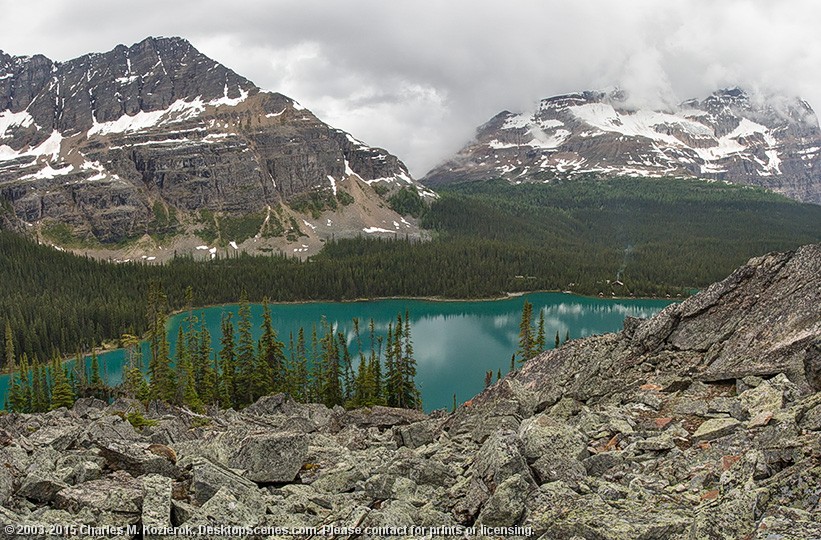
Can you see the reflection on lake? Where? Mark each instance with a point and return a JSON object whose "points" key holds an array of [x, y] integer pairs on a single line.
{"points": [[455, 343]]}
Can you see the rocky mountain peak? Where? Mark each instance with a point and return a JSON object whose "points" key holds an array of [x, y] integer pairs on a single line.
{"points": [[770, 141], [103, 144]]}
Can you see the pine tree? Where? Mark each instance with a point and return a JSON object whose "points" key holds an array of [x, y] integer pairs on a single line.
{"points": [[315, 369], [526, 341], [247, 376], [412, 397], [61, 393], [557, 343], [80, 376], [95, 379], [162, 385], [186, 392], [227, 364], [345, 364], [132, 378], [512, 364], [567, 336], [202, 363], [540, 337], [271, 356], [375, 389], [209, 388], [27, 384], [9, 356], [390, 390], [39, 395], [301, 379], [488, 378], [328, 370], [19, 389]]}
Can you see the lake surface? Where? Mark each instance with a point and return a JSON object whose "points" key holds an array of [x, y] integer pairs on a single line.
{"points": [[455, 342]]}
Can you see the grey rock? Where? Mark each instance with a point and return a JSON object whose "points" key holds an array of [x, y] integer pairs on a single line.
{"points": [[657, 444], [382, 417], [811, 419], [715, 428], [110, 428], [90, 408], [118, 493], [499, 458], [762, 398], [85, 472], [270, 458], [224, 509], [40, 488], [598, 464], [275, 404], [138, 459], [156, 507], [6, 484], [418, 433], [554, 449], [207, 478], [507, 504]]}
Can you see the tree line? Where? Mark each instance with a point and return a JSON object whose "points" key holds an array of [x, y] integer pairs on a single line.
{"points": [[642, 237], [320, 368]]}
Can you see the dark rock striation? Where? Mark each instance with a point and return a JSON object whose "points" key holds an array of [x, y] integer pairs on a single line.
{"points": [[767, 141], [703, 422]]}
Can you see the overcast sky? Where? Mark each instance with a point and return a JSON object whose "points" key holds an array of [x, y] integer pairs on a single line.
{"points": [[418, 76]]}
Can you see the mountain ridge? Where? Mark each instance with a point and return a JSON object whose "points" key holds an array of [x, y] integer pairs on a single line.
{"points": [[728, 136], [143, 140]]}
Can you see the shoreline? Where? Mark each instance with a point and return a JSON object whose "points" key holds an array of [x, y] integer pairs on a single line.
{"points": [[507, 296]]}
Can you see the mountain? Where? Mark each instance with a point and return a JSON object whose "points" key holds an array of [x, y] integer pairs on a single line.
{"points": [[730, 135], [702, 422], [157, 146]]}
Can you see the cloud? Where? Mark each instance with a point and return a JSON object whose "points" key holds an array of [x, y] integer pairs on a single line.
{"points": [[418, 76]]}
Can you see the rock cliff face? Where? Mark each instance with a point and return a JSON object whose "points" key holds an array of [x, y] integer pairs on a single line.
{"points": [[703, 422], [157, 139], [773, 143]]}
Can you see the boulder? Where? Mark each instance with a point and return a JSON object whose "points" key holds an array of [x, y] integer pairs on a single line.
{"points": [[207, 478], [382, 417], [499, 458], [224, 509], [156, 508], [598, 464], [762, 398], [89, 408], [553, 449], [119, 493], [139, 458], [40, 487], [270, 458], [715, 428], [507, 504], [110, 428], [417, 434]]}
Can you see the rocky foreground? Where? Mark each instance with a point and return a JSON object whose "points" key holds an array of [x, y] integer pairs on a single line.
{"points": [[701, 423]]}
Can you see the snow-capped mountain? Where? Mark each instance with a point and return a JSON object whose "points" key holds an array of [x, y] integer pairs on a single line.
{"points": [[773, 143], [158, 137]]}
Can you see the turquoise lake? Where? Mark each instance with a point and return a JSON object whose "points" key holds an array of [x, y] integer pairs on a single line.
{"points": [[455, 342]]}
